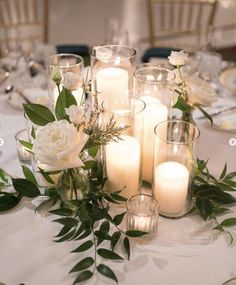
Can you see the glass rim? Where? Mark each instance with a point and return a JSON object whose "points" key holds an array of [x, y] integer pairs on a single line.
{"points": [[145, 66], [122, 58], [173, 142], [20, 131], [130, 98], [151, 197], [58, 55]]}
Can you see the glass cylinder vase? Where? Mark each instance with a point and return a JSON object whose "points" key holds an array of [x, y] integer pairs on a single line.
{"points": [[112, 71], [174, 161], [155, 86], [65, 71], [72, 185], [123, 155]]}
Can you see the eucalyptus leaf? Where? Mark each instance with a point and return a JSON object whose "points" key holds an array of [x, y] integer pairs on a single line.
{"points": [[83, 214], [29, 174], [108, 254], [83, 264], [105, 227], [83, 276], [84, 246], [106, 271], [39, 114], [25, 187], [84, 235], [102, 235]]}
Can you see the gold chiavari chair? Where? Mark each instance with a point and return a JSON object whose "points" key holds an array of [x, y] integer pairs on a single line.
{"points": [[180, 23], [23, 21]]}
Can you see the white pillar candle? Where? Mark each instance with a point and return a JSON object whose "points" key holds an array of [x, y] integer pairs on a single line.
{"points": [[171, 186], [154, 113], [112, 82], [142, 223], [123, 165]]}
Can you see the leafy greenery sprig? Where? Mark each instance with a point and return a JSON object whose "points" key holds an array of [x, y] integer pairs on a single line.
{"points": [[211, 196]]}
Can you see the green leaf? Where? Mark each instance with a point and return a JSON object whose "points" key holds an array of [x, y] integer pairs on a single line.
{"points": [[26, 144], [106, 271], [102, 235], [224, 187], [118, 197], [3, 175], [62, 212], [118, 219], [79, 231], [63, 231], [89, 164], [135, 233], [83, 264], [83, 276], [83, 214], [106, 253], [33, 132], [46, 176], [39, 114], [29, 174], [105, 227], [205, 114], [115, 238], [69, 222], [64, 100], [220, 210], [84, 246], [8, 202], [181, 104], [93, 150], [205, 207], [45, 205], [229, 222], [127, 246], [230, 175], [223, 172], [84, 235], [25, 187], [67, 236]]}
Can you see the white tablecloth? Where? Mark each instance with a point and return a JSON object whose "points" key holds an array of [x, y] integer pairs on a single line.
{"points": [[185, 252]]}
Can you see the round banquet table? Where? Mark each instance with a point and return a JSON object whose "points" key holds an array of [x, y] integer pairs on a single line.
{"points": [[186, 251]]}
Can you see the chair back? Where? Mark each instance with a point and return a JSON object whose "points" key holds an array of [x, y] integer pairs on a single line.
{"points": [[22, 21], [180, 23]]}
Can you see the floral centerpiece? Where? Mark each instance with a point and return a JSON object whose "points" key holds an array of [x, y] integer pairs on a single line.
{"points": [[67, 143], [193, 92]]}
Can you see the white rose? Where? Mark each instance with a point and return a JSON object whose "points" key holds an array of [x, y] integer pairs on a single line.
{"points": [[199, 91], [178, 58], [71, 80], [58, 145], [75, 114]]}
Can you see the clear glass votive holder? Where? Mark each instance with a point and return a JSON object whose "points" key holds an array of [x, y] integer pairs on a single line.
{"points": [[67, 70], [142, 215], [174, 162], [123, 155], [155, 86], [23, 155], [112, 71]]}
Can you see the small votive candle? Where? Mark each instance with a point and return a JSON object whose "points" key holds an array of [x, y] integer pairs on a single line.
{"points": [[142, 215], [24, 155]]}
